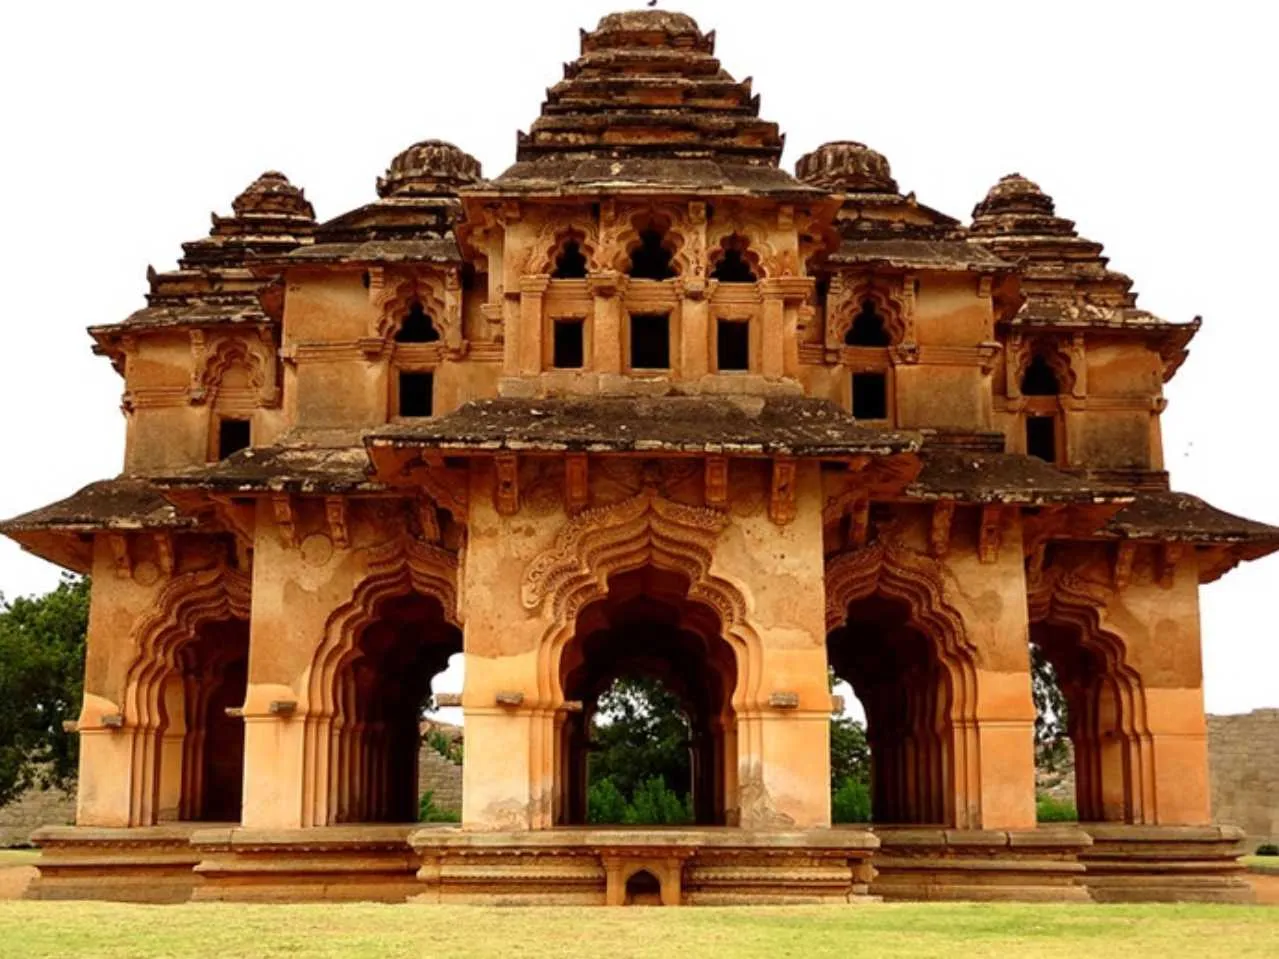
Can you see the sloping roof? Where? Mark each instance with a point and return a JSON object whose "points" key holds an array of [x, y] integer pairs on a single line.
{"points": [[1160, 515], [774, 426], [294, 469], [125, 503], [1004, 478]]}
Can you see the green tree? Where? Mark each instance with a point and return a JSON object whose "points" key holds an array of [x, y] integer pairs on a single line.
{"points": [[640, 733], [41, 684], [849, 750]]}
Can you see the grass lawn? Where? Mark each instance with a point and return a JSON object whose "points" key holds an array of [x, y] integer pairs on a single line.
{"points": [[18, 857], [974, 931], [1268, 864]]}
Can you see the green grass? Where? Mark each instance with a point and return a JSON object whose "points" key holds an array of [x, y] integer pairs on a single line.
{"points": [[974, 931], [1266, 864], [18, 857]]}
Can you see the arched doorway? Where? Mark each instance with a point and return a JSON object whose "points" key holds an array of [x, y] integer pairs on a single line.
{"points": [[647, 628], [1104, 721], [897, 674], [381, 686], [200, 774]]}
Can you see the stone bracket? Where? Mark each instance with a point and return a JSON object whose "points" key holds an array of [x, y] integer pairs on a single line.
{"points": [[990, 536], [506, 492], [782, 507]]}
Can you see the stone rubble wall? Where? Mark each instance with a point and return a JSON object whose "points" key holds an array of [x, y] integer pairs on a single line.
{"points": [[1243, 760], [442, 777], [33, 809]]}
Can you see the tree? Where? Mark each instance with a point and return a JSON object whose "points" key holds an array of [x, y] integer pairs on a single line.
{"points": [[1051, 739], [41, 684], [640, 733]]}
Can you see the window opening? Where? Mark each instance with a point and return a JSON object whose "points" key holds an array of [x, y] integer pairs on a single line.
{"points": [[733, 346], [650, 341], [868, 328], [1039, 379], [651, 260], [571, 263], [1041, 437], [870, 396], [417, 394], [417, 327], [733, 266], [233, 436], [569, 348]]}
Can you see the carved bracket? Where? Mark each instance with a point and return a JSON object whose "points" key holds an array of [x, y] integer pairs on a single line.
{"points": [[782, 508], [506, 492], [990, 536]]}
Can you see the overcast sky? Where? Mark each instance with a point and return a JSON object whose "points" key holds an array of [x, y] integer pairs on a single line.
{"points": [[125, 124]]}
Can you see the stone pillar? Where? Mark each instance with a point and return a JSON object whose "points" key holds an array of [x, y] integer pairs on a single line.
{"points": [[606, 327], [532, 292], [695, 330], [773, 334]]}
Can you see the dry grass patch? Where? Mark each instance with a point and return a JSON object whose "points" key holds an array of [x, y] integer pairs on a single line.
{"points": [[1266, 864], [18, 857], [355, 931]]}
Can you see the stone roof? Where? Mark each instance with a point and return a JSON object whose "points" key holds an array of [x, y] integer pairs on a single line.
{"points": [[292, 468], [741, 426], [974, 477], [125, 503], [1066, 282], [213, 283], [412, 221], [647, 105], [880, 227], [1164, 515]]}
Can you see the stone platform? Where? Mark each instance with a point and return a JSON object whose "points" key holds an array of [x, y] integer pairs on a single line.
{"points": [[614, 866]]}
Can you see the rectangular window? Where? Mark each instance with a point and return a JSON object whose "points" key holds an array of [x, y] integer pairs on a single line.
{"points": [[233, 436], [732, 346], [1041, 437], [650, 341], [569, 346], [870, 396], [417, 394]]}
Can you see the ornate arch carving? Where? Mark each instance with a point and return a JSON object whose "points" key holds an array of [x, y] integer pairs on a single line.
{"points": [[549, 246], [212, 365], [757, 256], [618, 243], [642, 531], [1061, 357], [847, 297], [393, 295]]}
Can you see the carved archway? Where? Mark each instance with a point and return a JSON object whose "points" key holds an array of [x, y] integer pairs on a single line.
{"points": [[404, 567], [550, 245], [1059, 357], [234, 370], [849, 296], [1105, 697], [930, 772], [646, 530], [394, 294], [154, 697], [666, 223]]}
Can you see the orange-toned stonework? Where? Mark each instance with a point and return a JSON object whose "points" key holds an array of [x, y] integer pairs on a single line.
{"points": [[645, 403]]}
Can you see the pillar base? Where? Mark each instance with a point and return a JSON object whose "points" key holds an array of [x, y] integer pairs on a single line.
{"points": [[1037, 865], [1166, 864]]}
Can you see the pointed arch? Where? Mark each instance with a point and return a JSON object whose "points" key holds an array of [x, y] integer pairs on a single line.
{"points": [[556, 241], [651, 228], [848, 299], [394, 297], [734, 260]]}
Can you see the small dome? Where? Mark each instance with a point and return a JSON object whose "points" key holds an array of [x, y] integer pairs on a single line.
{"points": [[431, 168], [1014, 194], [272, 194], [846, 167]]}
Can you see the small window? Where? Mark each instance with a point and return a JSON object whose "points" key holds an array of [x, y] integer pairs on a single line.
{"points": [[417, 327], [733, 267], [650, 341], [870, 396], [417, 394], [233, 436], [732, 346], [651, 260], [569, 346], [1040, 380], [1041, 437], [571, 263], [868, 328]]}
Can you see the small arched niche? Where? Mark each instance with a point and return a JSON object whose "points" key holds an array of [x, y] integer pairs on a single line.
{"points": [[868, 328], [417, 326]]}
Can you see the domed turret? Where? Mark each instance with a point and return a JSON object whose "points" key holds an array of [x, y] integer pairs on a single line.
{"points": [[429, 168], [1013, 196], [272, 194], [846, 166], [652, 28]]}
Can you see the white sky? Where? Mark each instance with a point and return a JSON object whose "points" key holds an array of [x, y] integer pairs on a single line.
{"points": [[1152, 125]]}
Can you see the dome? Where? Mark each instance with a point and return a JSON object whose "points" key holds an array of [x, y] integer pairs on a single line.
{"points": [[431, 168], [1014, 194], [272, 194], [846, 166]]}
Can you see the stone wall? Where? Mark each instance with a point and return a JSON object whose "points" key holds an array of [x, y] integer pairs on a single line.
{"points": [[442, 777], [35, 808], [1243, 757]]}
